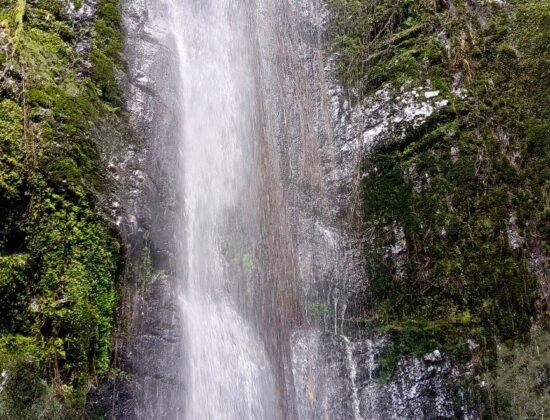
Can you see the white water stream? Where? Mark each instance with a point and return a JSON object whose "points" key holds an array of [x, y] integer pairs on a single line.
{"points": [[253, 224], [229, 376]]}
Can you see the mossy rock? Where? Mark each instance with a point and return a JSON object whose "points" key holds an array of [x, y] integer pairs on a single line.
{"points": [[58, 256], [465, 194]]}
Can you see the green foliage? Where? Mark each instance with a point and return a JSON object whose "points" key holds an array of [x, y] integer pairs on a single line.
{"points": [[383, 41], [522, 377], [107, 46], [458, 207], [22, 390], [11, 145], [58, 258], [26, 396], [14, 291], [76, 259], [533, 39], [454, 229]]}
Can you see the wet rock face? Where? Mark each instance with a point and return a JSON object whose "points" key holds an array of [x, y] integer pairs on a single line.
{"points": [[324, 380], [156, 350], [148, 344], [148, 167], [419, 390], [338, 378], [334, 376], [151, 386]]}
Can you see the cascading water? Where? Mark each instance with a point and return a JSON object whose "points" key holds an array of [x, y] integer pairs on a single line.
{"points": [[229, 374], [259, 242]]}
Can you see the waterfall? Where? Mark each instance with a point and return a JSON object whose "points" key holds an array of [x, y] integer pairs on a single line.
{"points": [[229, 374], [241, 108], [244, 205]]}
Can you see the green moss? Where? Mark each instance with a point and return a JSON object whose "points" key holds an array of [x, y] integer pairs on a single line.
{"points": [[19, 13], [522, 377], [383, 42], [58, 258], [105, 54], [77, 261], [11, 145], [14, 292], [447, 191]]}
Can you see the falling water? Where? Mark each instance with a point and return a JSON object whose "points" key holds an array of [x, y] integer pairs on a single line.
{"points": [[240, 104], [229, 374]]}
